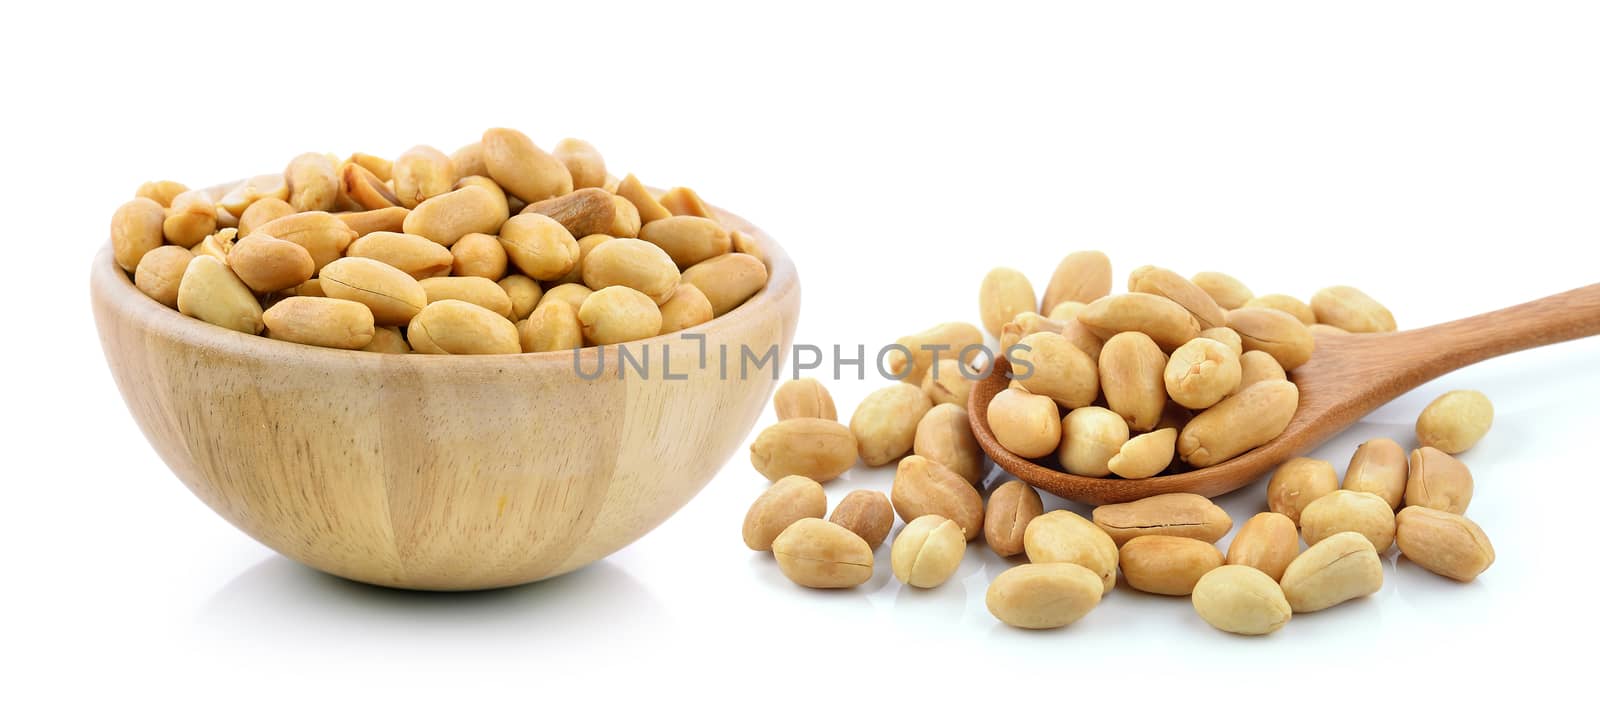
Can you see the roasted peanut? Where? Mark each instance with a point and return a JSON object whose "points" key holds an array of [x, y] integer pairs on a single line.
{"points": [[478, 291], [1297, 483], [688, 239], [1180, 290], [683, 201], [928, 551], [1378, 467], [190, 219], [392, 219], [211, 292], [1342, 510], [787, 501], [586, 245], [944, 435], [808, 446], [1275, 333], [803, 398], [1081, 277], [1351, 310], [1060, 372], [572, 294], [947, 384], [525, 170], [922, 486], [885, 422], [1166, 322], [1227, 337], [1026, 323], [324, 236], [1242, 600], [583, 212], [446, 217], [456, 327], [637, 264], [421, 173], [1248, 419], [359, 187], [1201, 373], [1144, 455], [1189, 515], [1438, 481], [1090, 437], [1027, 425], [1227, 291], [478, 255], [136, 230], [1167, 565], [268, 264], [1455, 421], [326, 322], [387, 339], [313, 183], [1286, 303], [649, 208], [487, 184], [583, 162], [1005, 292], [686, 308], [625, 224], [1005, 519], [524, 293], [262, 211], [551, 326], [1447, 544], [1040, 596], [217, 245], [238, 199], [394, 297], [160, 271], [1256, 366], [161, 192], [419, 257], [1131, 367], [821, 554], [1267, 541], [468, 161], [1064, 537], [866, 512], [1337, 569], [957, 340], [617, 315], [540, 247], [1066, 310]]}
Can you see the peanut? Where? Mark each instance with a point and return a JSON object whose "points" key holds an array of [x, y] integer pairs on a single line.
{"points": [[326, 322], [1081, 277], [944, 435], [1267, 541], [1012, 506], [1378, 467], [551, 326], [1131, 367], [1455, 421], [135, 231], [1167, 565], [928, 551], [1447, 544], [455, 327], [1298, 482], [1027, 425], [866, 512], [1438, 481], [1342, 510], [1248, 419], [268, 264], [925, 487], [1201, 373], [885, 422], [1337, 569], [787, 501], [1242, 600], [803, 398], [821, 554], [394, 297], [808, 446], [1064, 537], [211, 292], [1005, 292], [1145, 455], [478, 255], [540, 247], [525, 170], [619, 314], [1090, 437], [160, 271], [1351, 310], [1227, 291], [1037, 596], [1166, 322]]}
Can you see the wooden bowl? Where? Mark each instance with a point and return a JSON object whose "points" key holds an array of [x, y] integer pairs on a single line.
{"points": [[441, 472]]}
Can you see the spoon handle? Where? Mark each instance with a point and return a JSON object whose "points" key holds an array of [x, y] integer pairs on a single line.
{"points": [[1557, 318]]}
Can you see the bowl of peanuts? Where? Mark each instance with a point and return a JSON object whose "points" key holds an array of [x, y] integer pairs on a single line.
{"points": [[441, 372]]}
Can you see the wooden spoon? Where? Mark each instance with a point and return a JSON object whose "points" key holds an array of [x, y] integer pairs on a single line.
{"points": [[1347, 377]]}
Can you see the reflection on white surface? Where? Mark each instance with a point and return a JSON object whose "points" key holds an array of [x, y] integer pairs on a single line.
{"points": [[279, 599]]}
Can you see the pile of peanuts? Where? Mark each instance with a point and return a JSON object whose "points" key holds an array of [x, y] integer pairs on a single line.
{"points": [[1178, 372], [500, 247], [1230, 355], [1163, 544]]}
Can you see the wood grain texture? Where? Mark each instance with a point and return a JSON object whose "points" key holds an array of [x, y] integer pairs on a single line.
{"points": [[440, 472], [1347, 377]]}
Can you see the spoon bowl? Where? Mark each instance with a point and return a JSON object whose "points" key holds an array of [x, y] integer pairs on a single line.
{"points": [[1347, 377]]}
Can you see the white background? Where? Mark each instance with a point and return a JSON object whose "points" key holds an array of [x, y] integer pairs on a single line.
{"points": [[1443, 156]]}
